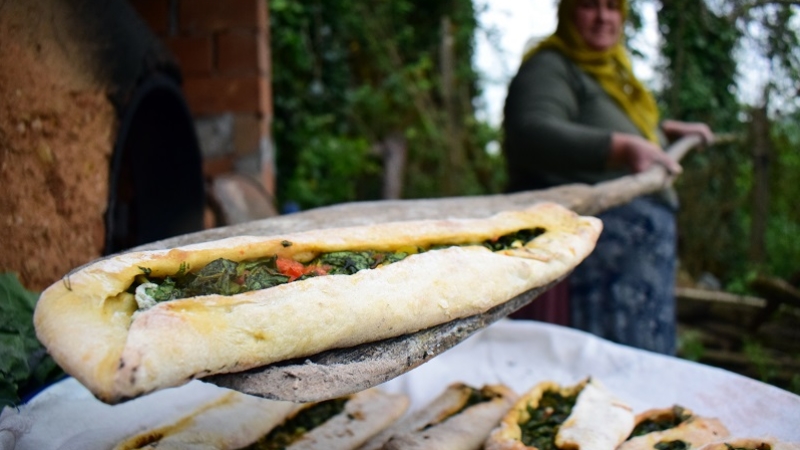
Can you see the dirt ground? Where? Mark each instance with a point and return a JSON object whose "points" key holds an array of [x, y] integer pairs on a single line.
{"points": [[55, 144]]}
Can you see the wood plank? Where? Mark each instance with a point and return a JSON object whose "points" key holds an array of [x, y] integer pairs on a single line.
{"points": [[706, 295]]}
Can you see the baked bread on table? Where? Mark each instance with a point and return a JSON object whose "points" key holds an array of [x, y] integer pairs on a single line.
{"points": [[585, 416], [239, 421], [142, 321], [750, 443], [460, 418], [673, 428]]}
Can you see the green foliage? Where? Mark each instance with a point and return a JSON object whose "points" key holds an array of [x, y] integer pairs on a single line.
{"points": [[700, 71], [765, 366], [330, 169], [348, 74], [24, 363], [716, 186], [699, 65], [783, 229], [690, 345], [794, 384]]}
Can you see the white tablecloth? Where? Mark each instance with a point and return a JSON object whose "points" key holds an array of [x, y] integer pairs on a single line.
{"points": [[517, 353]]}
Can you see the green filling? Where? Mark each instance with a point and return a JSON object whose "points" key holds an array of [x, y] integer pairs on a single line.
{"points": [[509, 240], [671, 445], [226, 277], [348, 263], [221, 276], [293, 429], [679, 416], [762, 446], [476, 396], [540, 429]]}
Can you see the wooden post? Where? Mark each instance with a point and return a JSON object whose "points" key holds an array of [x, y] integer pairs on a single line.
{"points": [[394, 149], [760, 193], [454, 166]]}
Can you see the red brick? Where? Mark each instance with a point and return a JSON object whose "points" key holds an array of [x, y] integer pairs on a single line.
{"points": [[155, 13], [264, 54], [214, 95], [194, 53], [239, 52], [214, 15], [265, 97]]}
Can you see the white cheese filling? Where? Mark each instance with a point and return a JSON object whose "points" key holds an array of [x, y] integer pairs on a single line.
{"points": [[143, 299]]}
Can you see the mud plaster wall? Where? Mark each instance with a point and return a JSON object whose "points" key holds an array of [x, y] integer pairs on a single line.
{"points": [[56, 137]]}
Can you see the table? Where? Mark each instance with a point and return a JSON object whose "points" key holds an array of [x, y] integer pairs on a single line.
{"points": [[518, 353]]}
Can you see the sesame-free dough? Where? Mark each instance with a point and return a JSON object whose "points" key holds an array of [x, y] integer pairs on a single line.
{"points": [[91, 325]]}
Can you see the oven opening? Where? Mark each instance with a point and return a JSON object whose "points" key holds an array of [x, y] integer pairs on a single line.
{"points": [[156, 187]]}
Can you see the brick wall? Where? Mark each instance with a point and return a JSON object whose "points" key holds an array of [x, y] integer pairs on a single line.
{"points": [[223, 50]]}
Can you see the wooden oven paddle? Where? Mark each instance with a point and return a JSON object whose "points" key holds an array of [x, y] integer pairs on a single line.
{"points": [[345, 371]]}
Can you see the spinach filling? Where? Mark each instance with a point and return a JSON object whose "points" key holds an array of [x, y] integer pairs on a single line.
{"points": [[227, 277], [221, 276], [348, 263], [293, 429], [671, 445], [678, 416], [761, 446], [511, 240], [476, 396], [541, 427]]}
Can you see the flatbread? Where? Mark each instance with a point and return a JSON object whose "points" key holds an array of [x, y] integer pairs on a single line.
{"points": [[236, 421], [447, 422], [694, 431], [92, 328], [766, 443], [231, 421], [598, 420]]}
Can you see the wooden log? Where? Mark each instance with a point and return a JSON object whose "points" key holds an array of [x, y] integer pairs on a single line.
{"points": [[706, 295], [777, 289]]}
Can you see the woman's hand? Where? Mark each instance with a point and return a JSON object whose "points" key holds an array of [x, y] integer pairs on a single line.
{"points": [[675, 129], [639, 154]]}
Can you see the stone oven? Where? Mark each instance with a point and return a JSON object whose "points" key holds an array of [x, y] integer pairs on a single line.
{"points": [[116, 129], [222, 48]]}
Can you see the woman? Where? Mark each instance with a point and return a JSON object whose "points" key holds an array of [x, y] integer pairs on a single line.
{"points": [[575, 113]]}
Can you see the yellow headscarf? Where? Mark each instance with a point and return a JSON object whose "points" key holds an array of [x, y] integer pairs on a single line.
{"points": [[611, 68]]}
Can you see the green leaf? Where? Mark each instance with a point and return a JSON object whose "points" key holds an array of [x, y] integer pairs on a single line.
{"points": [[24, 363], [16, 307]]}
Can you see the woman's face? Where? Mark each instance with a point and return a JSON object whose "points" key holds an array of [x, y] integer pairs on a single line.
{"points": [[599, 22]]}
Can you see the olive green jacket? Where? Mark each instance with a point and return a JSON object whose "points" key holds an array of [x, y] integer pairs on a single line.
{"points": [[558, 124]]}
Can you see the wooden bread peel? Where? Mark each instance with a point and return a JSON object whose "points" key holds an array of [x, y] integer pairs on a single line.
{"points": [[345, 371]]}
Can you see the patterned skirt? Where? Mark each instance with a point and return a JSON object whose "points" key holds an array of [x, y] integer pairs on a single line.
{"points": [[624, 290]]}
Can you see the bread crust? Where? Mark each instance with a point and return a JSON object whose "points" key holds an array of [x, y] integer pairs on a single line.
{"points": [[443, 424], [598, 420], [695, 431], [365, 415], [751, 443], [87, 320], [235, 420], [231, 421]]}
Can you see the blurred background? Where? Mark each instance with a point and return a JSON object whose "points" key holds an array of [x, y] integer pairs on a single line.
{"points": [[123, 122]]}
